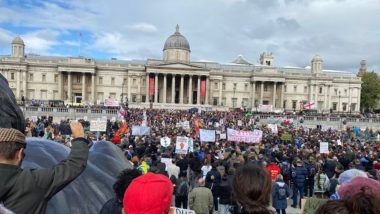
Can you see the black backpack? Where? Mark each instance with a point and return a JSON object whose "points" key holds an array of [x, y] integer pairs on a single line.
{"points": [[312, 171], [282, 192]]}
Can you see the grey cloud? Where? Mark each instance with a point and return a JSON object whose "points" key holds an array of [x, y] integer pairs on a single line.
{"points": [[288, 24]]}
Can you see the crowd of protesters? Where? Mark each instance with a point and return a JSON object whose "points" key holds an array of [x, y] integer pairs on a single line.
{"points": [[204, 179]]}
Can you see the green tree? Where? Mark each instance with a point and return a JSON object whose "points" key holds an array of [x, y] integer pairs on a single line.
{"points": [[370, 92]]}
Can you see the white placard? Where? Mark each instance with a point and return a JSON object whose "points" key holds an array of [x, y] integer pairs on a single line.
{"points": [[265, 108], [207, 135], [181, 145], [34, 119], [113, 119], [140, 130], [223, 136], [98, 126], [239, 123], [166, 161], [324, 147], [217, 124], [190, 144], [175, 210], [244, 136], [85, 118], [104, 118], [273, 128], [165, 141]]}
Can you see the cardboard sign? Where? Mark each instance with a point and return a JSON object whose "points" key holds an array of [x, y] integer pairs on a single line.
{"points": [[244, 136], [175, 210], [286, 137], [140, 130], [324, 147], [207, 135], [98, 126], [165, 141], [181, 145], [273, 128]]}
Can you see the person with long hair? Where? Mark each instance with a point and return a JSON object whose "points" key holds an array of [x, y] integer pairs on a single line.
{"points": [[321, 182], [251, 189]]}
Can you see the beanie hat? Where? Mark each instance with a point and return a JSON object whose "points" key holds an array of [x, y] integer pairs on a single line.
{"points": [[359, 184], [150, 193], [11, 135], [350, 174]]}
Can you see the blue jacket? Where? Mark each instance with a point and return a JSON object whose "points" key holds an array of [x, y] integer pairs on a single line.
{"points": [[299, 175], [278, 201]]}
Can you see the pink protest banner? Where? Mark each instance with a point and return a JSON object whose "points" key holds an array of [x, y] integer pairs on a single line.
{"points": [[244, 136]]}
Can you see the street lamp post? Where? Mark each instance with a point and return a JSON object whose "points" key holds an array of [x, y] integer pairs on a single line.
{"points": [[339, 103], [233, 98]]}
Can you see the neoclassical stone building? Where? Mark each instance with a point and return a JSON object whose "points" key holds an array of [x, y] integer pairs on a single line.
{"points": [[177, 82]]}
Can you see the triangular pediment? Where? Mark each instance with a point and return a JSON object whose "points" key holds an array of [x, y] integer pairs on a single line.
{"points": [[177, 65]]}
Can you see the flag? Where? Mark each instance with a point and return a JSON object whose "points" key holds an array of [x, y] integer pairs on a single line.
{"points": [[309, 105], [122, 130], [196, 123], [121, 112]]}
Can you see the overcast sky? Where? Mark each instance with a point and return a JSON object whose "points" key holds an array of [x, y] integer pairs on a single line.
{"points": [[343, 32]]}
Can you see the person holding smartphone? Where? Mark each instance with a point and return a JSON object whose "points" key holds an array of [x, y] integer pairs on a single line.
{"points": [[29, 190]]}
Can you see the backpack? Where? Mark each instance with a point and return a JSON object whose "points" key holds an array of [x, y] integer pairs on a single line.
{"points": [[285, 170], [312, 171], [282, 193], [182, 189], [331, 189]]}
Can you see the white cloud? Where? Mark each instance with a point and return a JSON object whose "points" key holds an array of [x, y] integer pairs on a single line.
{"points": [[41, 41], [144, 27]]}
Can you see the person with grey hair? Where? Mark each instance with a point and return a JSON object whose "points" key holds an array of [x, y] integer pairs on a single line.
{"points": [[280, 193], [200, 198]]}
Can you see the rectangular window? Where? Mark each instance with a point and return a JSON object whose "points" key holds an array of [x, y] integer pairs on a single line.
{"points": [[100, 80], [235, 86], [224, 86], [12, 76], [143, 97], [43, 94], [134, 82], [55, 78], [134, 98], [224, 101], [285, 88], [112, 80], [101, 96], [265, 88], [79, 79], [336, 91], [244, 102], [30, 77], [305, 89], [215, 85], [334, 106], [295, 89], [284, 104], [43, 77], [345, 92], [320, 90], [234, 102], [124, 81], [294, 104], [144, 82], [215, 101], [344, 106], [112, 95]]}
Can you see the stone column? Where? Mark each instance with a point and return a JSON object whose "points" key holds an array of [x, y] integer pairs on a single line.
{"points": [[164, 88], [147, 95], [199, 91], [24, 83], [316, 95], [190, 93], [69, 95], [129, 89], [207, 89], [220, 92], [156, 88], [358, 103], [274, 94], [138, 94], [93, 88], [349, 99], [253, 97], [173, 88], [18, 89], [282, 95], [325, 98], [60, 91], [261, 92], [329, 97], [83, 87], [310, 92], [181, 91]]}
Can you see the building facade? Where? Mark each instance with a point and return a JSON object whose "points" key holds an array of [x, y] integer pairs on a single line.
{"points": [[177, 82]]}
